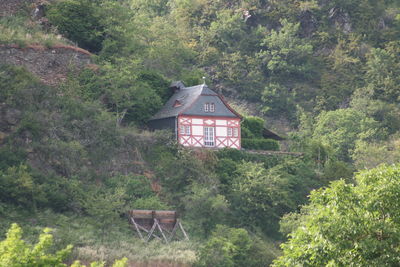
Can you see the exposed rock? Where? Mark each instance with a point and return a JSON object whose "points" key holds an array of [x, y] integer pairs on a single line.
{"points": [[38, 12], [308, 23], [12, 116], [51, 65], [2, 137], [382, 24], [341, 19], [11, 7]]}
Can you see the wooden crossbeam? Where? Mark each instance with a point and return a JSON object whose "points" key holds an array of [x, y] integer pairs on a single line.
{"points": [[162, 222], [183, 230]]}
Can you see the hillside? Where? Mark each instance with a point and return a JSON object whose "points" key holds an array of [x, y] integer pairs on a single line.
{"points": [[80, 79]]}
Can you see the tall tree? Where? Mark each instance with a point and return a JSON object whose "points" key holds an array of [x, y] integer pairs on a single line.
{"points": [[349, 225]]}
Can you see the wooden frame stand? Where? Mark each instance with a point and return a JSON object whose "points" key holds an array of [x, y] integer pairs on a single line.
{"points": [[159, 224]]}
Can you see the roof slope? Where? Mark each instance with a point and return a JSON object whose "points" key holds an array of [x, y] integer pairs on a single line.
{"points": [[186, 97]]}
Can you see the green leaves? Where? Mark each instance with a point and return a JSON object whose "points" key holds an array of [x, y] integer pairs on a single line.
{"points": [[14, 252], [234, 247], [19, 187], [79, 21], [284, 55], [341, 128], [346, 225], [285, 51]]}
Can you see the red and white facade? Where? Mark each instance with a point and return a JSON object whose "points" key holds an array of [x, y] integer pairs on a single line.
{"points": [[199, 117], [208, 131]]}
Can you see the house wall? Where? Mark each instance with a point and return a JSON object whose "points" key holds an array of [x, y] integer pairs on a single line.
{"points": [[161, 124], [220, 125]]}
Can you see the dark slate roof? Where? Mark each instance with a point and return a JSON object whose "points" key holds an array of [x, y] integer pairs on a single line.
{"points": [[187, 98], [271, 135], [221, 109]]}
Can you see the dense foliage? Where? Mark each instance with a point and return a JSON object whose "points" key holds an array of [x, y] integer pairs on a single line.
{"points": [[16, 252], [77, 156], [348, 224]]}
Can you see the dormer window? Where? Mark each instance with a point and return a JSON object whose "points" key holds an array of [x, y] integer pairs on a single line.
{"points": [[177, 103], [212, 107], [209, 107]]}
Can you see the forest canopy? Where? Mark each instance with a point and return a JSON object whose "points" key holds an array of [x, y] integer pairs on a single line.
{"points": [[77, 155]]}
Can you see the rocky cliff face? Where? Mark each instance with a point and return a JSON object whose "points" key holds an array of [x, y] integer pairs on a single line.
{"points": [[9, 7], [51, 65]]}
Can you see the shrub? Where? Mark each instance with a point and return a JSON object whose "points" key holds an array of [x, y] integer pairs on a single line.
{"points": [[234, 247], [260, 144], [16, 252], [252, 127], [79, 21]]}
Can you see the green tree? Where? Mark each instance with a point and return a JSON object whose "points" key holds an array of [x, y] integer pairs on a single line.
{"points": [[369, 155], [105, 207], [234, 247], [206, 208], [260, 196], [79, 21], [349, 225], [340, 129], [17, 186], [383, 75], [284, 55]]}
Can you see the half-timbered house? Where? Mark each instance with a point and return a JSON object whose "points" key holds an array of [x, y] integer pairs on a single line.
{"points": [[199, 117]]}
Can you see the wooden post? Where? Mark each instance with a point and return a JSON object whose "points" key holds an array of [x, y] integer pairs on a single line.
{"points": [[137, 228], [151, 232], [151, 221], [161, 231], [183, 231]]}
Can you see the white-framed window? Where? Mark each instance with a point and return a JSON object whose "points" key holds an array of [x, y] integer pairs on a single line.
{"points": [[209, 136], [235, 132], [209, 107], [187, 130], [184, 130], [212, 107], [229, 131]]}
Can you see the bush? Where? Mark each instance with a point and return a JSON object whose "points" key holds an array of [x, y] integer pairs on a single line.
{"points": [[252, 127], [260, 144], [234, 247], [79, 21], [16, 252]]}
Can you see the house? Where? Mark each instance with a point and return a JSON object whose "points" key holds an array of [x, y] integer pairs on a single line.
{"points": [[199, 117]]}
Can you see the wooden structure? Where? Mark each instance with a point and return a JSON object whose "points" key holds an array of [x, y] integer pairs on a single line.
{"points": [[159, 224], [272, 153]]}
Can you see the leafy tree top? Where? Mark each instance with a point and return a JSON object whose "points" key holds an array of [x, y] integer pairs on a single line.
{"points": [[349, 225]]}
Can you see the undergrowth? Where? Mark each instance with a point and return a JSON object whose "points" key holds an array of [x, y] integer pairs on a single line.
{"points": [[22, 31], [89, 244]]}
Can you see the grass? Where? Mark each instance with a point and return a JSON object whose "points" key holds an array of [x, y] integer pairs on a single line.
{"points": [[89, 244], [22, 31]]}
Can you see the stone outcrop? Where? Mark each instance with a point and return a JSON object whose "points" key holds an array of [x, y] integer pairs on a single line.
{"points": [[10, 7], [51, 65], [9, 117]]}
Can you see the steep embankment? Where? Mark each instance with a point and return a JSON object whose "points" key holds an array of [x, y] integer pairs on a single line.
{"points": [[51, 65], [9, 7]]}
